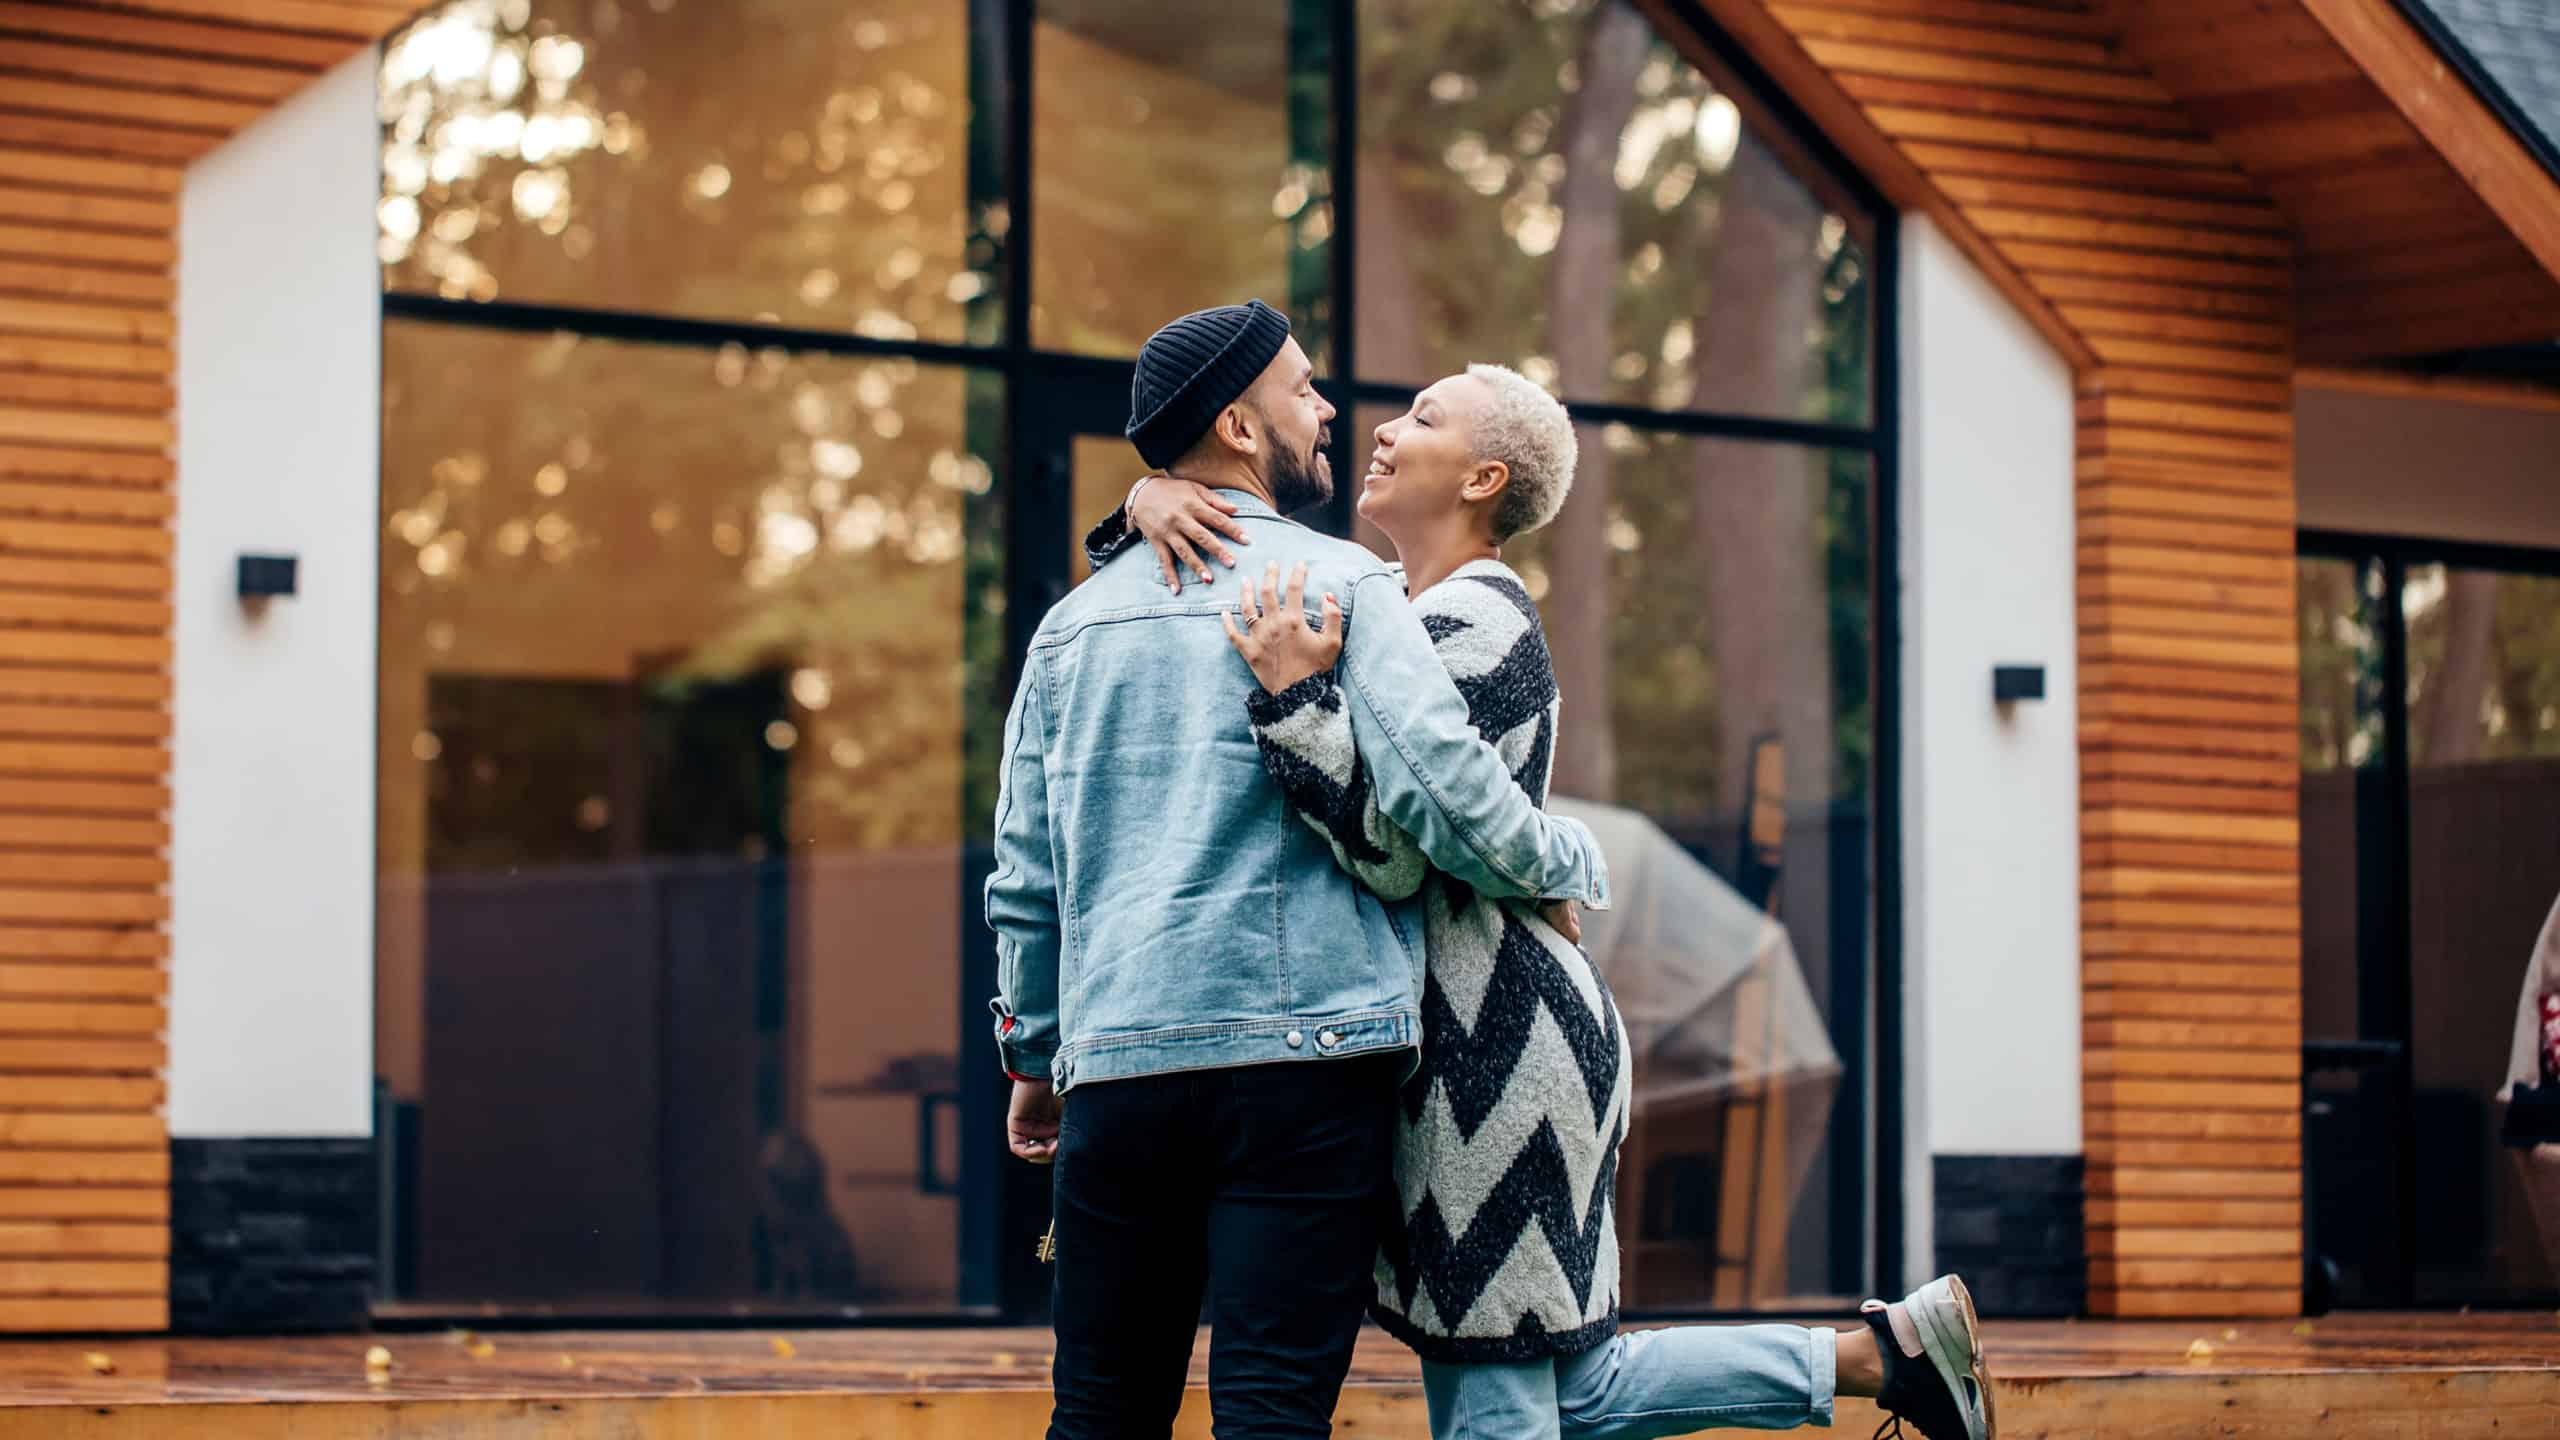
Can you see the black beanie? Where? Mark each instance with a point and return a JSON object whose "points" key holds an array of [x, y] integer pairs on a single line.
{"points": [[1195, 367]]}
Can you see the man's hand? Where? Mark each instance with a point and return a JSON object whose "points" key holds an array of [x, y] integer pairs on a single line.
{"points": [[1176, 518], [1565, 917], [1274, 639], [1031, 1122]]}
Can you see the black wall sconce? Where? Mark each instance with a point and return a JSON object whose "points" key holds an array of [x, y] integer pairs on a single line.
{"points": [[262, 576], [2012, 683]]}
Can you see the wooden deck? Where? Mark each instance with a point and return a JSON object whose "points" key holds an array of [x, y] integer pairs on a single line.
{"points": [[2439, 1376]]}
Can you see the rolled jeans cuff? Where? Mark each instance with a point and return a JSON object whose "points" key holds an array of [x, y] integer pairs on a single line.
{"points": [[1822, 1361]]}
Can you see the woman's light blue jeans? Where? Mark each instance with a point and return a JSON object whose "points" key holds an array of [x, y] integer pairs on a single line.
{"points": [[1643, 1384]]}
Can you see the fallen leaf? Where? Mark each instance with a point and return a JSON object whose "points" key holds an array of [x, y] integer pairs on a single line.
{"points": [[1003, 1360], [568, 1362], [2201, 1350], [2302, 1331], [784, 1349], [460, 1337], [100, 1362], [481, 1350], [2229, 1335]]}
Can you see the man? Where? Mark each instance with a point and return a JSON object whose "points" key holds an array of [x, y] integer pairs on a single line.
{"points": [[1205, 1018]]}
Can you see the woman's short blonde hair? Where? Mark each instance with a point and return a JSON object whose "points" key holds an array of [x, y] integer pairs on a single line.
{"points": [[1527, 429]]}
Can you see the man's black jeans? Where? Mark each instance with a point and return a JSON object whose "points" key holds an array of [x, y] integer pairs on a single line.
{"points": [[1263, 1187]]}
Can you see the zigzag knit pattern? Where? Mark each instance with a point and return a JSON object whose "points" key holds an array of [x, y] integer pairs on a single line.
{"points": [[1507, 1143]]}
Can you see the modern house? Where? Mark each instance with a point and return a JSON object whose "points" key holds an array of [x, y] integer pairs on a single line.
{"points": [[517, 518]]}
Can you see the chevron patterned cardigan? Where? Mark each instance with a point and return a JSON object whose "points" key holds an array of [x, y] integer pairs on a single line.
{"points": [[1507, 1137]]}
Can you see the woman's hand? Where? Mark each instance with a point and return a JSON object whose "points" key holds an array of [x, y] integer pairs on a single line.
{"points": [[1275, 639], [1177, 518], [1565, 918]]}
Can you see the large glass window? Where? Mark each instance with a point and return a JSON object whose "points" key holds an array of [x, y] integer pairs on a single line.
{"points": [[752, 370]]}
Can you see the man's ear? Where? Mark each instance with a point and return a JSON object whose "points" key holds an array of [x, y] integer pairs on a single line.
{"points": [[1490, 479], [1235, 428]]}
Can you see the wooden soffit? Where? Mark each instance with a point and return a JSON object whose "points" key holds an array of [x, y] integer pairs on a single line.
{"points": [[166, 80], [2424, 224]]}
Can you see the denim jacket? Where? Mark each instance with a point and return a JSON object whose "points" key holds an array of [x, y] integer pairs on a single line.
{"points": [[1157, 907]]}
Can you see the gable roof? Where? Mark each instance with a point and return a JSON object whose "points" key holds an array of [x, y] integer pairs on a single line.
{"points": [[2510, 52]]}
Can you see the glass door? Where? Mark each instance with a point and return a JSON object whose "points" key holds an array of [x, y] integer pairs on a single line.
{"points": [[2431, 860]]}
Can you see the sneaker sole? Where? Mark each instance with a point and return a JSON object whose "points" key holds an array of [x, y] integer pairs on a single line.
{"points": [[1952, 1334]]}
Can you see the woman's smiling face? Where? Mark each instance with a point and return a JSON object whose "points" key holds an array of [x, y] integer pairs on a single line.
{"points": [[1422, 457]]}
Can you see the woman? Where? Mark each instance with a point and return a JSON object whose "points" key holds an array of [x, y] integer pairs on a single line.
{"points": [[1503, 1272]]}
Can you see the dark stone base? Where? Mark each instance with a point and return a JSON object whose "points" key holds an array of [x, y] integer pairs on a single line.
{"points": [[270, 1235], [2011, 1225]]}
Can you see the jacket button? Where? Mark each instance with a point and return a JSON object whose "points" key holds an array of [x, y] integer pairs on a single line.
{"points": [[1294, 1039], [1326, 1039]]}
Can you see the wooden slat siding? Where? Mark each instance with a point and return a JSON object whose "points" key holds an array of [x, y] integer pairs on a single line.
{"points": [[2166, 274], [2424, 224], [101, 106]]}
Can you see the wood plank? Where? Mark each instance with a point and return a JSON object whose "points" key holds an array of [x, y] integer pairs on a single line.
{"points": [[2139, 265], [84, 611], [2112, 1092], [1852, 57], [85, 1202], [149, 1166], [2223, 1272], [2108, 231], [2190, 1065], [103, 649], [83, 868], [2178, 680], [2180, 1154], [86, 392], [2097, 822], [2102, 790], [2207, 980], [81, 1277], [2118, 586], [1942, 160], [86, 796], [46, 352], [81, 722], [77, 686], [2030, 19], [2221, 507], [318, 17], [98, 539], [194, 114], [2110, 1213], [2094, 200], [1888, 90], [164, 73], [82, 172], [2104, 527], [2237, 1304], [98, 502], [87, 427], [85, 1056], [2146, 1183], [103, 137], [84, 282], [67, 982], [83, 943], [75, 464], [2271, 336], [2186, 1034], [1817, 22], [83, 1239], [85, 1314], [82, 1130], [2169, 854], [2201, 1124], [84, 210], [1910, 124], [20, 904], [111, 322]]}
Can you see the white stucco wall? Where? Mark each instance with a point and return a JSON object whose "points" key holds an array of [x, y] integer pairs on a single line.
{"points": [[1991, 831], [2423, 466], [279, 384]]}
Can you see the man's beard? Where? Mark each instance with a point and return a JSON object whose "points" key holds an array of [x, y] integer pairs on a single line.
{"points": [[1297, 481]]}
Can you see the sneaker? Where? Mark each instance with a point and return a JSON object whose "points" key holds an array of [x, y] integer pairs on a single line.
{"points": [[1933, 1371]]}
